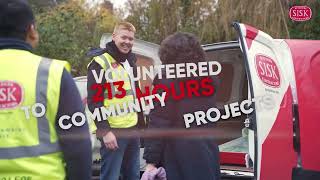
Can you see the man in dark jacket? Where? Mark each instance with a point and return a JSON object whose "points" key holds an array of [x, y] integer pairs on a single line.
{"points": [[119, 155], [39, 147], [187, 157]]}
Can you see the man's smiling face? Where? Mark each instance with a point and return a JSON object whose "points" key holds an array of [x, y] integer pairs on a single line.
{"points": [[123, 39]]}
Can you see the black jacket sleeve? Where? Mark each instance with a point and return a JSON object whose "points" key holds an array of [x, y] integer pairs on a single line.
{"points": [[160, 117], [75, 142], [102, 126]]}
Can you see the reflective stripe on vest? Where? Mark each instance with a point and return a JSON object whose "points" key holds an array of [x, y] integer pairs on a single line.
{"points": [[44, 146]]}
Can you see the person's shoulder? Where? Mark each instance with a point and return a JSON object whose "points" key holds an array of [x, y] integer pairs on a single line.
{"points": [[63, 64], [93, 52], [163, 80], [51, 63]]}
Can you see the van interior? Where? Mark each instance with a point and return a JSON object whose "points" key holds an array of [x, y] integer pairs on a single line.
{"points": [[233, 87]]}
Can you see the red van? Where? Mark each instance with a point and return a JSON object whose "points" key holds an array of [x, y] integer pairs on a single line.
{"points": [[282, 77]]}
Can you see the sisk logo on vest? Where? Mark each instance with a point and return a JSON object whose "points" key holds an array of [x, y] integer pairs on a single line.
{"points": [[11, 94], [267, 70], [114, 65]]}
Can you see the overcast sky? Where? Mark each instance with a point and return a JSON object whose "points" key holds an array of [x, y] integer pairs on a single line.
{"points": [[118, 3]]}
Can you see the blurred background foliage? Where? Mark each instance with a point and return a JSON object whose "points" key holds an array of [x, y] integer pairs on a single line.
{"points": [[69, 28]]}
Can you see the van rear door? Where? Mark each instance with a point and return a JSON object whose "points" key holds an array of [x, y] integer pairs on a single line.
{"points": [[270, 74]]}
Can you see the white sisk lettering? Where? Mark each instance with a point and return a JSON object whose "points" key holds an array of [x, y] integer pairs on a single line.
{"points": [[299, 13], [7, 94], [268, 70], [274, 75], [3, 96], [261, 68]]}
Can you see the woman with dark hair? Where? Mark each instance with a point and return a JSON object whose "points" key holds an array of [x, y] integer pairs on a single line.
{"points": [[184, 155]]}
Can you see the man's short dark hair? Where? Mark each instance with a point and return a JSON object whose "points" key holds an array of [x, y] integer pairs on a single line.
{"points": [[15, 18]]}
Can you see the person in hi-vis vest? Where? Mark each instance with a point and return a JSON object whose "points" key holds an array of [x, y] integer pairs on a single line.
{"points": [[34, 93], [119, 155]]}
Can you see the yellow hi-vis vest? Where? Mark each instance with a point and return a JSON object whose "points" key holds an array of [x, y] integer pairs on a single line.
{"points": [[29, 147], [120, 120]]}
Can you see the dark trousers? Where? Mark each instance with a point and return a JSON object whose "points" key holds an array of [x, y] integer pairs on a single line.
{"points": [[124, 161]]}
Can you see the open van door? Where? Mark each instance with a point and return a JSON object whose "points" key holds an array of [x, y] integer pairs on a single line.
{"points": [[270, 74]]}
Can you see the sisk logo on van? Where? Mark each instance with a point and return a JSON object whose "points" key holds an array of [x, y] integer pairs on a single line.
{"points": [[267, 70], [300, 13], [11, 94]]}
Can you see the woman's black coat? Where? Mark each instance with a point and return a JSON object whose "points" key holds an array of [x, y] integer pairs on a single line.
{"points": [[184, 158]]}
